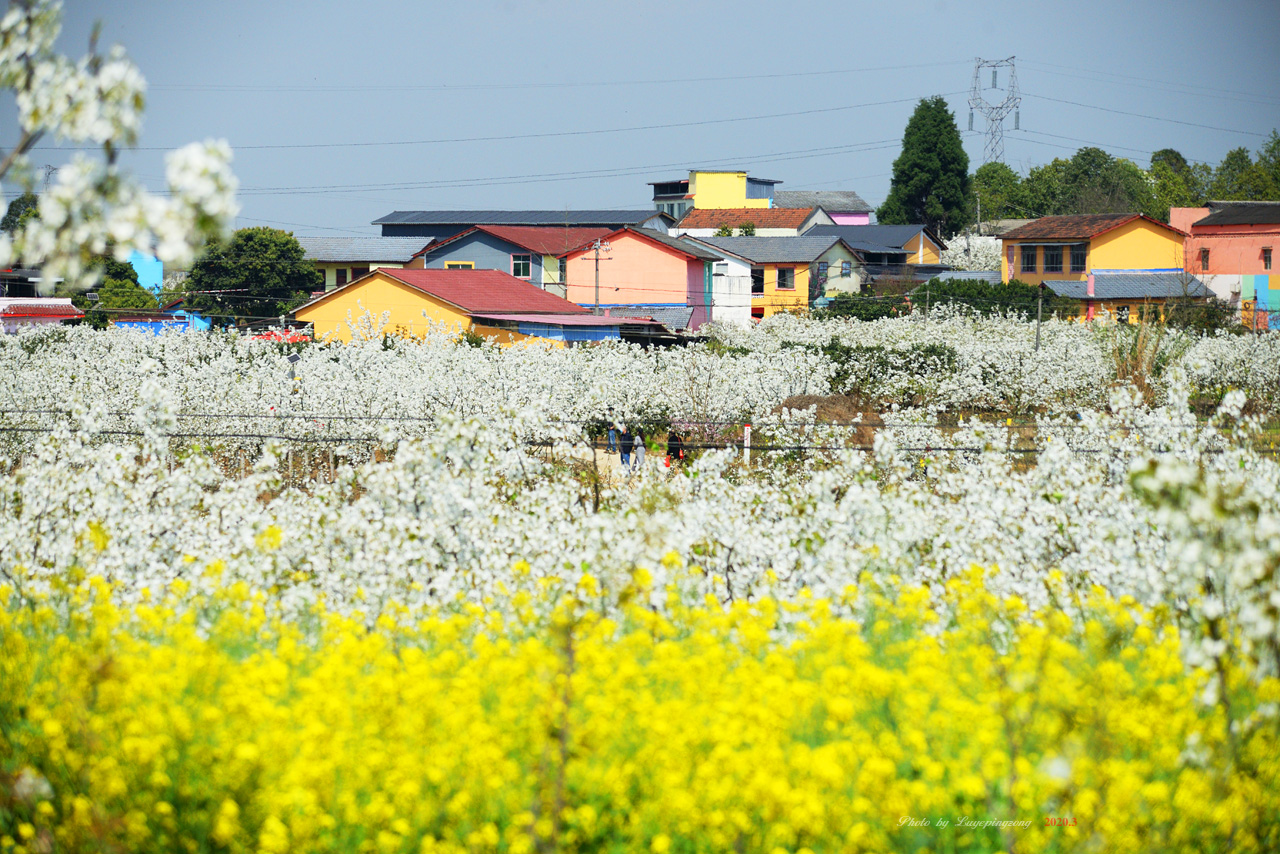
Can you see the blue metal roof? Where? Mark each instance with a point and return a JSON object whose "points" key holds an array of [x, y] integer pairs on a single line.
{"points": [[363, 249], [1134, 285]]}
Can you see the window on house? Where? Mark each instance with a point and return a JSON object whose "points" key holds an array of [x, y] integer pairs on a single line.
{"points": [[564, 270], [1204, 260], [1053, 259], [786, 279], [1028, 259], [521, 266], [1266, 257], [846, 269], [341, 274], [757, 280], [1079, 257], [357, 272], [822, 272], [459, 265], [1122, 314]]}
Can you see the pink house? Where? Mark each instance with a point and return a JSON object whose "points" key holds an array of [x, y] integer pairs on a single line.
{"points": [[1230, 247], [845, 207], [642, 270]]}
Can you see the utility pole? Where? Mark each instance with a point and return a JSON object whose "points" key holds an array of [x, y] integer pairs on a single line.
{"points": [[596, 246]]}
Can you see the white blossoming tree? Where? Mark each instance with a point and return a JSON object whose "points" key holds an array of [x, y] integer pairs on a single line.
{"points": [[96, 207], [972, 252]]}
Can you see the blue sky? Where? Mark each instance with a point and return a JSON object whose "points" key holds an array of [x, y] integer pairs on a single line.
{"points": [[341, 112]]}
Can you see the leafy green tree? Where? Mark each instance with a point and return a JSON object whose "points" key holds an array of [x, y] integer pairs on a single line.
{"points": [[118, 293], [724, 231], [1044, 188], [1173, 159], [1269, 158], [1172, 189], [19, 211], [930, 182], [999, 190], [1238, 178], [261, 273], [747, 229], [986, 298], [1092, 181]]}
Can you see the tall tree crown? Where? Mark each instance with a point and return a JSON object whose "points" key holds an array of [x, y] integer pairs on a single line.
{"points": [[931, 176]]}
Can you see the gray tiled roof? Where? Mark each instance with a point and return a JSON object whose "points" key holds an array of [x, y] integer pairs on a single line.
{"points": [[773, 250], [675, 318], [398, 249], [683, 245], [616, 218], [878, 248], [1134, 285], [1242, 213], [989, 276], [889, 235], [838, 201]]}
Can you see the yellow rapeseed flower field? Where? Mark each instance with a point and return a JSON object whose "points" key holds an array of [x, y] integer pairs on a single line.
{"points": [[215, 726]]}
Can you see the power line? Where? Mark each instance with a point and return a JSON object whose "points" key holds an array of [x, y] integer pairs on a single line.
{"points": [[1181, 88], [542, 135], [466, 87], [1144, 115], [457, 183]]}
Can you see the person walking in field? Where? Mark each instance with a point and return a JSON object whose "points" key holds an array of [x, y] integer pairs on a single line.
{"points": [[638, 452], [675, 449], [625, 440]]}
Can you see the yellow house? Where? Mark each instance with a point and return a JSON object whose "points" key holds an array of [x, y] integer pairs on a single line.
{"points": [[490, 303], [1069, 248], [344, 259], [786, 272], [712, 188], [1121, 262]]}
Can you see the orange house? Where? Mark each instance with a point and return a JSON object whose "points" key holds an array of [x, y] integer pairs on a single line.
{"points": [[635, 268]]}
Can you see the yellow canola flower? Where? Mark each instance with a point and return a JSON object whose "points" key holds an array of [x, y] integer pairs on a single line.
{"points": [[707, 729]]}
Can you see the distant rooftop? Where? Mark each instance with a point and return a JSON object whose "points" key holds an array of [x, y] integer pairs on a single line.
{"points": [[734, 217], [885, 235], [1126, 284], [831, 201], [389, 249], [772, 250], [614, 218], [1242, 213], [538, 239]]}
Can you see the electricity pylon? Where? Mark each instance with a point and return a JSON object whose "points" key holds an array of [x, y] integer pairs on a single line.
{"points": [[994, 113]]}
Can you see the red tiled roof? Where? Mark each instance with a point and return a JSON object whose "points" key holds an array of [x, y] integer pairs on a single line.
{"points": [[563, 320], [734, 217], [473, 291], [34, 309], [1082, 227], [544, 240], [538, 239]]}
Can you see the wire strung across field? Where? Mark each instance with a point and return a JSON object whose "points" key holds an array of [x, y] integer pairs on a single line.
{"points": [[597, 443]]}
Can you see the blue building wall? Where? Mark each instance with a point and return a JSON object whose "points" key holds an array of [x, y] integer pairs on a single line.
{"points": [[179, 320], [150, 270], [486, 252], [569, 333]]}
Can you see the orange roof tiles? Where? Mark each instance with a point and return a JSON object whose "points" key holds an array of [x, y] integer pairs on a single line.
{"points": [[734, 217]]}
